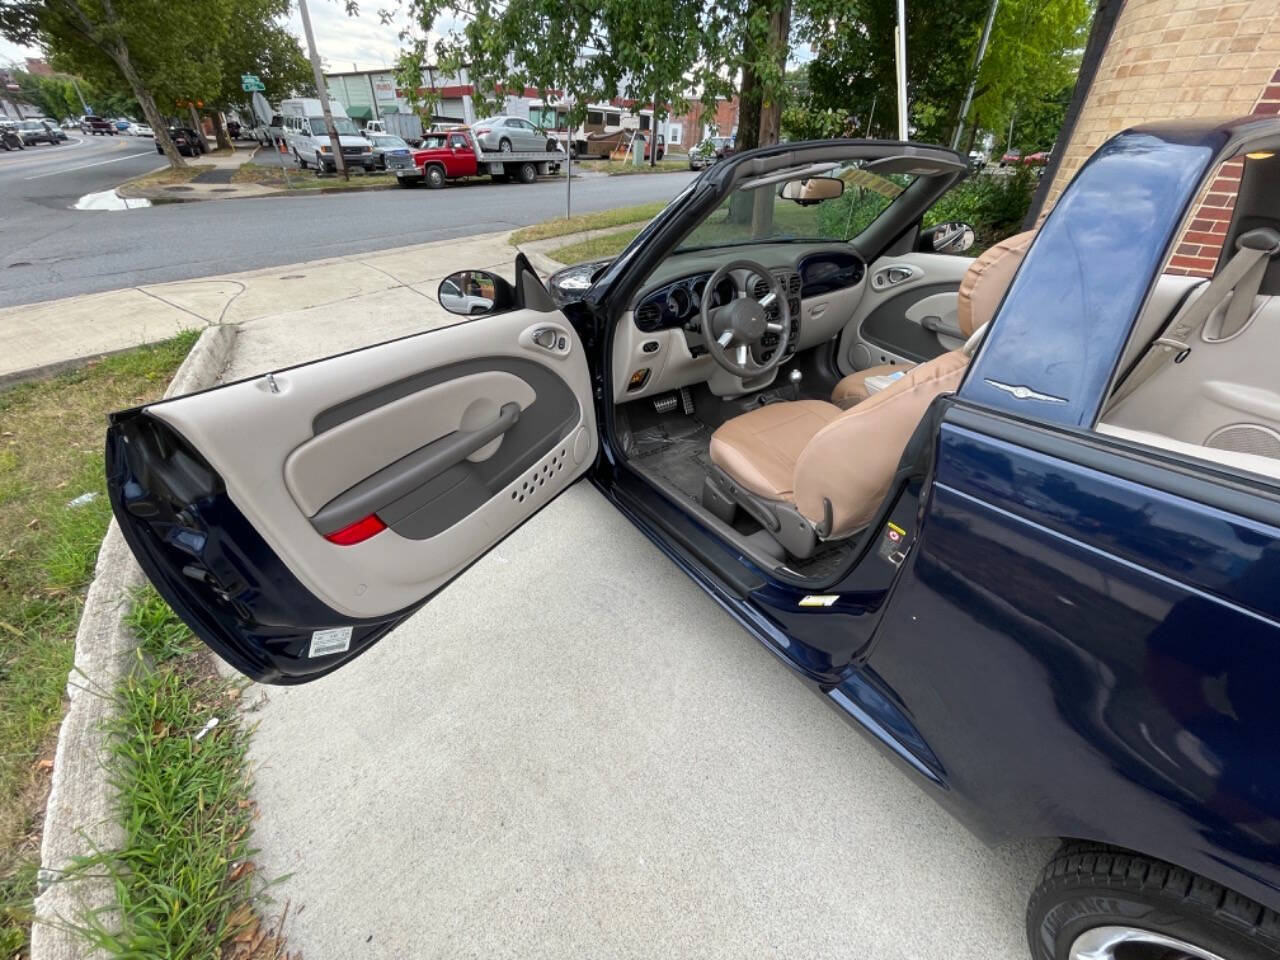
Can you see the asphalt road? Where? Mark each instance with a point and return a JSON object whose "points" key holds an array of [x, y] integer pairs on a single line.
{"points": [[49, 250]]}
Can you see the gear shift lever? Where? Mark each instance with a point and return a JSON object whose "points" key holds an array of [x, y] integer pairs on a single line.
{"points": [[795, 376]]}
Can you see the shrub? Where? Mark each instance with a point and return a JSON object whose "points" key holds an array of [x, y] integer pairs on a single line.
{"points": [[993, 204]]}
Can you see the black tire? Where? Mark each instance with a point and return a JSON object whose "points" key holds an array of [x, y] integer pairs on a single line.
{"points": [[504, 145], [434, 176], [553, 146], [159, 149], [528, 173], [302, 164], [1087, 886]]}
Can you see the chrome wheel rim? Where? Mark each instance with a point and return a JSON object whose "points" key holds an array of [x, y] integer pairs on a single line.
{"points": [[1133, 943]]}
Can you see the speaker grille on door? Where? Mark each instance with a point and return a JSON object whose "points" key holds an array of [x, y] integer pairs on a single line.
{"points": [[1246, 438]]}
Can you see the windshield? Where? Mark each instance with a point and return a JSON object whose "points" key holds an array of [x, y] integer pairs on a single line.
{"points": [[344, 127], [29, 125], [760, 216], [389, 142]]}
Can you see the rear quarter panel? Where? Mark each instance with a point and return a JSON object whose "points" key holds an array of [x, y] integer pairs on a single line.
{"points": [[1091, 657]]}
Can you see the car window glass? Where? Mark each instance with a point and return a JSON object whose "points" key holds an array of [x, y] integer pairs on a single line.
{"points": [[457, 141], [737, 219]]}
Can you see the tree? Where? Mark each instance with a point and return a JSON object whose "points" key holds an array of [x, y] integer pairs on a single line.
{"points": [[257, 42], [161, 49]]}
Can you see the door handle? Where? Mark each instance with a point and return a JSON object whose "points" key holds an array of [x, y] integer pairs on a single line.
{"points": [[938, 325], [410, 472]]}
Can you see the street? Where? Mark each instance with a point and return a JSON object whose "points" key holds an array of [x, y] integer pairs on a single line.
{"points": [[50, 251]]}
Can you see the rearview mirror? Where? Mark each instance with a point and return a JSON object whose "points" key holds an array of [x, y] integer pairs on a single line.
{"points": [[475, 293], [951, 237], [811, 190]]}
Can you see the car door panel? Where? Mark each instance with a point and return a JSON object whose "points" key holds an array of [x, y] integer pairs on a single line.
{"points": [[443, 442], [907, 313]]}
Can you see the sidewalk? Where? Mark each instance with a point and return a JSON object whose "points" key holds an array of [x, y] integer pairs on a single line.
{"points": [[334, 304], [204, 187]]}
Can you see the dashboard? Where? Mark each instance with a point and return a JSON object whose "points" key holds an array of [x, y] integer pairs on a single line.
{"points": [[662, 347]]}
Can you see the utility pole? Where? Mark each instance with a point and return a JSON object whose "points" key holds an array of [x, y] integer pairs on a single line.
{"points": [[81, 96], [973, 80], [339, 163], [900, 51]]}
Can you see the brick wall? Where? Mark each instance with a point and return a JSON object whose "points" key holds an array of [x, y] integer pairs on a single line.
{"points": [[1201, 241], [1178, 58]]}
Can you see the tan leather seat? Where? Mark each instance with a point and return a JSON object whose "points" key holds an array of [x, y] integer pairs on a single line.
{"points": [[980, 292], [826, 460]]}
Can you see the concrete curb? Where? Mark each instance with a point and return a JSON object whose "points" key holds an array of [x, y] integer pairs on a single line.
{"points": [[80, 814], [538, 250]]}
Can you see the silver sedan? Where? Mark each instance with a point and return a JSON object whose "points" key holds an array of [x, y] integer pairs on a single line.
{"points": [[507, 134]]}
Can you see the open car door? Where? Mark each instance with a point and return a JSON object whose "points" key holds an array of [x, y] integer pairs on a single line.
{"points": [[293, 519]]}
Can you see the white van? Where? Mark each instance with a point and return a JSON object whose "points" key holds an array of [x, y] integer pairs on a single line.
{"points": [[308, 140]]}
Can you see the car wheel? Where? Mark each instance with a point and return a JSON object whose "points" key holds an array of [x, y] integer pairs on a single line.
{"points": [[528, 173], [1096, 902], [302, 164], [504, 145], [435, 177], [159, 149]]}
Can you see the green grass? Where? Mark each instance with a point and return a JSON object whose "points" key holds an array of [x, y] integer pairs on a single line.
{"points": [[51, 434], [596, 248], [641, 213], [270, 175], [622, 168], [183, 880]]}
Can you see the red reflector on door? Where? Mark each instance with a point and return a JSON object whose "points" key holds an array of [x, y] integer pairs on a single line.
{"points": [[357, 532]]}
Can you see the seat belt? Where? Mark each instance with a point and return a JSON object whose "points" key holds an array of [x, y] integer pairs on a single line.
{"points": [[1241, 278]]}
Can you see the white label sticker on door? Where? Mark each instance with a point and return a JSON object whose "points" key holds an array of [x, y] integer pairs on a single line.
{"points": [[325, 642]]}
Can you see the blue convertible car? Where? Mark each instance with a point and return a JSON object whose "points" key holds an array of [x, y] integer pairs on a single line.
{"points": [[1017, 518]]}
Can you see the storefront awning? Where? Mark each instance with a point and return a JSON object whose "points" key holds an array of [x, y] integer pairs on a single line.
{"points": [[360, 113]]}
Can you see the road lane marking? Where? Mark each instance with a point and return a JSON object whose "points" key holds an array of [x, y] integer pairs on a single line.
{"points": [[85, 166]]}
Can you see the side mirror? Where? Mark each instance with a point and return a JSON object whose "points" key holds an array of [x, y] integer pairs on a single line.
{"points": [[952, 237], [811, 190], [475, 293]]}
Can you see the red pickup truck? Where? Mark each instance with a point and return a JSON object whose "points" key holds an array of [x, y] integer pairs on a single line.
{"points": [[452, 155]]}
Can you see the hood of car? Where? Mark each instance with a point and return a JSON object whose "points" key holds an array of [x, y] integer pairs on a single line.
{"points": [[569, 285]]}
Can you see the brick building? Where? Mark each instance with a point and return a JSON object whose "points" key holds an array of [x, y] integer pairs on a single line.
{"points": [[1170, 59]]}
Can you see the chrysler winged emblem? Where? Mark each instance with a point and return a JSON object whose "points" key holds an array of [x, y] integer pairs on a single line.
{"points": [[1024, 393]]}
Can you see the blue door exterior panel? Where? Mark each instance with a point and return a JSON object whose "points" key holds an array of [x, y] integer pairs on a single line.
{"points": [[1068, 691]]}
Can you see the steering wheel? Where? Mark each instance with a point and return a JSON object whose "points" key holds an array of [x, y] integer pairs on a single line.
{"points": [[741, 324]]}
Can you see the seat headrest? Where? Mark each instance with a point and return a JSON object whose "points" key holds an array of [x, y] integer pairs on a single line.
{"points": [[987, 279]]}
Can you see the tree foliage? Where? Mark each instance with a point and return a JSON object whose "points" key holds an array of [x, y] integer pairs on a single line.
{"points": [[167, 53]]}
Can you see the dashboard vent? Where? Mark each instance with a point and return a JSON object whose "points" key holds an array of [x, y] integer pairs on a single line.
{"points": [[760, 288], [790, 283], [648, 315], [793, 284]]}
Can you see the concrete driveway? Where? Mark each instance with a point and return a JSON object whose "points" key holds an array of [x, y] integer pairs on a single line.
{"points": [[573, 752]]}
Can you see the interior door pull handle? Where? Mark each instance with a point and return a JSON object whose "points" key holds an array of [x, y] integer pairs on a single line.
{"points": [[937, 325], [410, 472]]}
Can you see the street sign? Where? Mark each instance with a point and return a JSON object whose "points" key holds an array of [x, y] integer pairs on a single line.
{"points": [[249, 86], [248, 78]]}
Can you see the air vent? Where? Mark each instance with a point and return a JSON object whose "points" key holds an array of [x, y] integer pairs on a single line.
{"points": [[793, 284], [648, 315], [760, 289]]}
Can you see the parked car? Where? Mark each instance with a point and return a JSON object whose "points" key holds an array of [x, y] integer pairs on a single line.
{"points": [[452, 156], [390, 152], [1018, 546], [38, 131], [1038, 159], [122, 124], [97, 126], [9, 138], [710, 150], [188, 142], [233, 129], [140, 130], [1011, 158], [308, 139], [508, 134]]}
